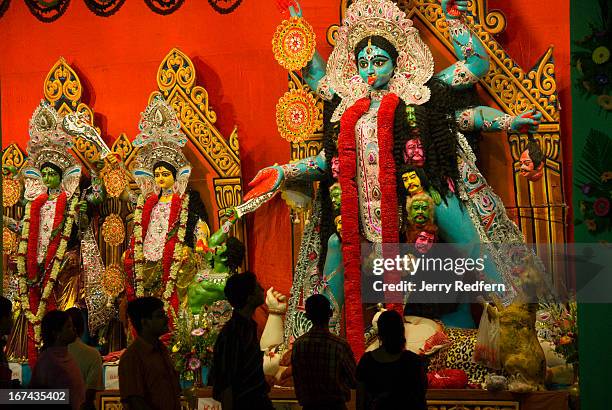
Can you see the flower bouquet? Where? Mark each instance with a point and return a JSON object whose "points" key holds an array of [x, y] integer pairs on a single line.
{"points": [[192, 345], [558, 323]]}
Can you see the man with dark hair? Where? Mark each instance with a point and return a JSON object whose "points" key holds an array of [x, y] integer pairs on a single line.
{"points": [[147, 378], [237, 371], [88, 359], [6, 326], [323, 364]]}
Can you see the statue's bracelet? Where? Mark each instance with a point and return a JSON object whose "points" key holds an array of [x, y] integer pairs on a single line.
{"points": [[276, 312]]}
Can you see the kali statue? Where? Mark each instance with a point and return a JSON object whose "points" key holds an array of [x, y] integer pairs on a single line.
{"points": [[48, 257], [384, 110], [168, 219]]}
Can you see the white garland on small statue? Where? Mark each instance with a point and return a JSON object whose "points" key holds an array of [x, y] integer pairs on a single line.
{"points": [[35, 319]]}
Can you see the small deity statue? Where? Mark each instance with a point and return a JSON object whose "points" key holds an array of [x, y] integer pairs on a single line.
{"points": [[168, 218], [48, 256], [532, 162], [222, 258]]}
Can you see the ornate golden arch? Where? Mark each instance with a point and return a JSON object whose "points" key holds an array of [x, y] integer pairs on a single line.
{"points": [[540, 206]]}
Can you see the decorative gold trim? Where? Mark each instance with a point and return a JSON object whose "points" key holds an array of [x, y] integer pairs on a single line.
{"points": [[13, 156]]}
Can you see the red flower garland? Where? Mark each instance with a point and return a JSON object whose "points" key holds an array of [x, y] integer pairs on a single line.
{"points": [[351, 248], [388, 184], [32, 253], [35, 293]]}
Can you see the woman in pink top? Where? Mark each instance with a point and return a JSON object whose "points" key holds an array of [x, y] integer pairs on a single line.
{"points": [[55, 368]]}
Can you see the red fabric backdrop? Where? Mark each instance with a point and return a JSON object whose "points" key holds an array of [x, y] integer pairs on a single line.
{"points": [[117, 60]]}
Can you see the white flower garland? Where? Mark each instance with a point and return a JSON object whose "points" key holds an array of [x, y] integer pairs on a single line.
{"points": [[177, 255], [35, 319], [138, 254]]}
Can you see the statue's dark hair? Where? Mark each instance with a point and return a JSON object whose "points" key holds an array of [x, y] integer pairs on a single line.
{"points": [[53, 167], [535, 152], [379, 42], [166, 165], [234, 253], [435, 126]]}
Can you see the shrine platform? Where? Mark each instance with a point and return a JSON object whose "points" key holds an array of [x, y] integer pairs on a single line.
{"points": [[284, 398]]}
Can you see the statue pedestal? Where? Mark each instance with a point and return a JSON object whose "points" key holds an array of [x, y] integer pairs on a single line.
{"points": [[436, 399]]}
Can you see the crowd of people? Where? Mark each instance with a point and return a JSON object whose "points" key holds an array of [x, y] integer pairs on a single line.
{"points": [[323, 366]]}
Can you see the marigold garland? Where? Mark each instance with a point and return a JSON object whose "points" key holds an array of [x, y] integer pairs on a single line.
{"points": [[351, 248]]}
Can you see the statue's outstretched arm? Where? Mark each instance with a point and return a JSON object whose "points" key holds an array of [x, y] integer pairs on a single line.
{"points": [[489, 119], [314, 71], [473, 59], [270, 179]]}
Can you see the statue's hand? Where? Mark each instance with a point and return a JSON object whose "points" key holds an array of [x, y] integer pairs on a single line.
{"points": [[292, 5], [267, 180], [9, 171], [526, 122], [112, 159], [276, 301], [82, 206], [435, 195], [453, 8]]}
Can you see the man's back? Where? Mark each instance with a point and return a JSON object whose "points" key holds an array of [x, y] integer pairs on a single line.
{"points": [[238, 364], [146, 372], [90, 363], [323, 369]]}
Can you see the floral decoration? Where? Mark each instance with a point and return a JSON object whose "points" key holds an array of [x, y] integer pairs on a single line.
{"points": [[297, 115], [593, 63], [192, 342], [294, 43], [558, 323], [594, 183], [113, 230]]}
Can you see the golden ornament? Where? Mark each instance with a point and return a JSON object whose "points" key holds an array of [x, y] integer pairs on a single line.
{"points": [[113, 230], [113, 280], [294, 43], [9, 241], [11, 192], [115, 181], [297, 115]]}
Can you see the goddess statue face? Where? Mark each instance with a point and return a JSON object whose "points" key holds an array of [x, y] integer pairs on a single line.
{"points": [[164, 177], [412, 182], [375, 66], [528, 168], [51, 178], [413, 153], [419, 212], [424, 241]]}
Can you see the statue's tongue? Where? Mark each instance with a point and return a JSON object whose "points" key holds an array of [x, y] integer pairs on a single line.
{"points": [[371, 79]]}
